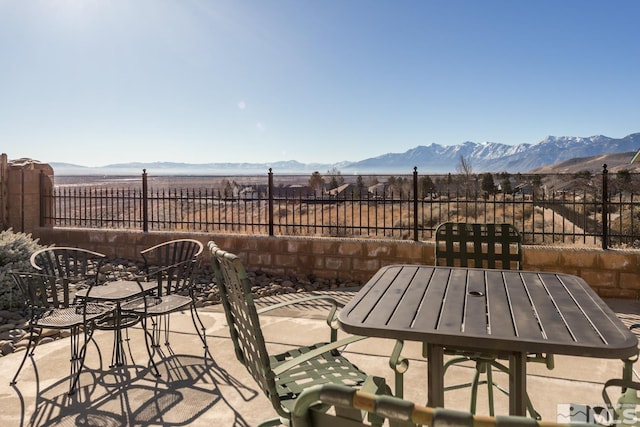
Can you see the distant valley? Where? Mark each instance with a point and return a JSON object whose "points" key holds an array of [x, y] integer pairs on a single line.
{"points": [[552, 154]]}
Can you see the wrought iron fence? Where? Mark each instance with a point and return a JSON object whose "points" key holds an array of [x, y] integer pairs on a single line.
{"points": [[585, 209]]}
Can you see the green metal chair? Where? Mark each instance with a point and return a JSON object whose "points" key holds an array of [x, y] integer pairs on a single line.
{"points": [[311, 411], [482, 245], [478, 245], [283, 377], [625, 409]]}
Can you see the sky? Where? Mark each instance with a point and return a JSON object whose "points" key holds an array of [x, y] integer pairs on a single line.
{"points": [[97, 82]]}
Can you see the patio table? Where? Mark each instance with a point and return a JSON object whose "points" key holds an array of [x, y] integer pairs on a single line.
{"points": [[117, 292], [504, 312]]}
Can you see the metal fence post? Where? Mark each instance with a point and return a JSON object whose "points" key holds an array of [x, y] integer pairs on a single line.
{"points": [[605, 206], [22, 199], [270, 195], [145, 202], [42, 200], [415, 203]]}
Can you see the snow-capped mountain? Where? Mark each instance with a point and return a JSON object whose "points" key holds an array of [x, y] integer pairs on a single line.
{"points": [[495, 157], [432, 158]]}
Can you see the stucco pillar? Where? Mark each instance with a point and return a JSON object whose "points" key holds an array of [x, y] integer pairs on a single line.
{"points": [[26, 181]]}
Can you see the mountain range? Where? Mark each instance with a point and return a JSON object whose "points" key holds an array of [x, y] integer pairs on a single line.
{"points": [[432, 158]]}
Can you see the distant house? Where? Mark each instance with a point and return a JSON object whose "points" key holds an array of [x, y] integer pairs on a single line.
{"points": [[342, 192], [560, 186], [377, 189], [565, 188], [523, 189], [248, 193], [295, 190], [512, 184]]}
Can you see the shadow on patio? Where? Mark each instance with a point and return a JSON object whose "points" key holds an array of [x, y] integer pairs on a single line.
{"points": [[198, 392], [188, 388]]}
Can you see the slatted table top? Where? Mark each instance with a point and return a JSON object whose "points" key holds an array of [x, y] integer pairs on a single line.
{"points": [[488, 310]]}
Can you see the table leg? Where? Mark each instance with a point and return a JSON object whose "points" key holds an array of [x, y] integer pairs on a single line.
{"points": [[435, 375], [118, 356], [518, 384]]}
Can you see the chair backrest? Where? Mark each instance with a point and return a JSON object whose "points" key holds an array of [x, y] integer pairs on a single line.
{"points": [[68, 265], [398, 412], [478, 245], [172, 252], [243, 320], [172, 264], [40, 291]]}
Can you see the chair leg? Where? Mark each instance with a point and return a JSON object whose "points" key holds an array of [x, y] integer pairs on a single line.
{"points": [[274, 422], [485, 366], [489, 375], [98, 352], [150, 343], [167, 326], [159, 330], [454, 361], [474, 388], [27, 352], [200, 329], [127, 340], [154, 335], [78, 353]]}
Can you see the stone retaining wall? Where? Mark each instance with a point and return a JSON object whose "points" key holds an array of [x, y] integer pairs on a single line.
{"points": [[611, 273]]}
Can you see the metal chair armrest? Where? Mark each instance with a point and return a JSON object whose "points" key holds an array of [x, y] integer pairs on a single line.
{"points": [[332, 318], [315, 353]]}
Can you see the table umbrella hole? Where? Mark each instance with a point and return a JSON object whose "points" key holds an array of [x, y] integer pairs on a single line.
{"points": [[476, 293]]}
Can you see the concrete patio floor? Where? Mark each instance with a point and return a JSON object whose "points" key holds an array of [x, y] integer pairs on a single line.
{"points": [[220, 392]]}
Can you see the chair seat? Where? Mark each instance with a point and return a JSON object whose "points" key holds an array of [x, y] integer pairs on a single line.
{"points": [[158, 305], [328, 368], [64, 318]]}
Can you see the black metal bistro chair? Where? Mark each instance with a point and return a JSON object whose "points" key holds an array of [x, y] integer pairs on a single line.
{"points": [[67, 270], [172, 266], [51, 306], [282, 377]]}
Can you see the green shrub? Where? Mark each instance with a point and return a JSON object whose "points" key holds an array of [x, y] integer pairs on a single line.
{"points": [[15, 251]]}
